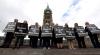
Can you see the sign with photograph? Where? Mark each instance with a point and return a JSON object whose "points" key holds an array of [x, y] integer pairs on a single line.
{"points": [[93, 29], [59, 30], [70, 33], [81, 31], [46, 31], [10, 27], [33, 31], [21, 29]]}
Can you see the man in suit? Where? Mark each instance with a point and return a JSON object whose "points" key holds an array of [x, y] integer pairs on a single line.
{"points": [[80, 40], [93, 37]]}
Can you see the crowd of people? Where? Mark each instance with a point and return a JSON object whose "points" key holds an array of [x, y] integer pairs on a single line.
{"points": [[54, 38]]}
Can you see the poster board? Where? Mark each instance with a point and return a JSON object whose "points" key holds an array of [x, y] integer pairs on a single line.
{"points": [[93, 29], [70, 33], [81, 31], [33, 31], [59, 30], [46, 31], [10, 27], [21, 29]]}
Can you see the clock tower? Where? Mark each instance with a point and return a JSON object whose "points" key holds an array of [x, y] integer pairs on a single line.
{"points": [[47, 17]]}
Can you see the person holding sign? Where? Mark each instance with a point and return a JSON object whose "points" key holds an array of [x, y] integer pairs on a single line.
{"points": [[59, 31], [70, 36], [46, 35], [20, 33], [9, 30], [34, 35], [80, 39], [90, 28]]}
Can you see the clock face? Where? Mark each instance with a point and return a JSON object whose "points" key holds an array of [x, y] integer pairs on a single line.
{"points": [[48, 12]]}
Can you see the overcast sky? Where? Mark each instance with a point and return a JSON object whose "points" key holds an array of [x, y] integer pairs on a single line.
{"points": [[64, 11]]}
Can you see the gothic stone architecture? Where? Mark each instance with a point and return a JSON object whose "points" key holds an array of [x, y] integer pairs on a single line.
{"points": [[47, 17]]}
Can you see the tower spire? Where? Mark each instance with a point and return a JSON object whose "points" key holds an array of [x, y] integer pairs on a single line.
{"points": [[47, 8], [47, 16]]}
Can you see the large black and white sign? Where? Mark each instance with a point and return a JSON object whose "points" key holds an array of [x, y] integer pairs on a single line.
{"points": [[93, 29], [33, 31], [59, 30], [70, 33], [10, 27], [81, 31], [46, 31], [21, 29]]}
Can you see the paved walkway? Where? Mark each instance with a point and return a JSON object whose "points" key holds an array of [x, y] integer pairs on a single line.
{"points": [[31, 51]]}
